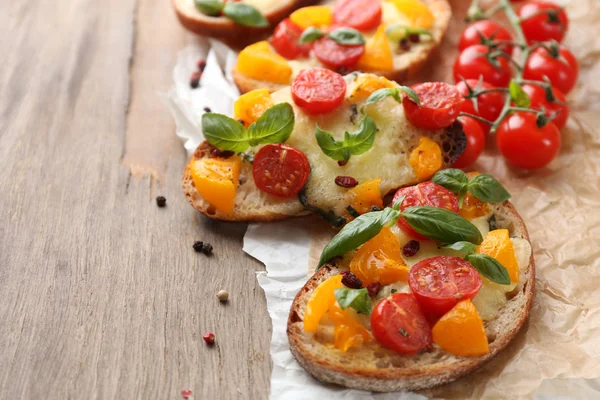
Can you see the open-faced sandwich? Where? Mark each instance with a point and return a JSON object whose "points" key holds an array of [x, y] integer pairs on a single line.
{"points": [[331, 145], [420, 293], [391, 38], [235, 22]]}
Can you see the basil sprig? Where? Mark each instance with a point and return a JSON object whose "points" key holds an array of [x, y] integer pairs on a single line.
{"points": [[357, 299], [518, 95], [354, 143], [274, 126], [394, 93], [310, 35], [241, 13], [343, 36], [484, 186], [484, 264]]}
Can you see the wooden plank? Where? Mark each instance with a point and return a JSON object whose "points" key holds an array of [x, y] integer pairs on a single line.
{"points": [[102, 295]]}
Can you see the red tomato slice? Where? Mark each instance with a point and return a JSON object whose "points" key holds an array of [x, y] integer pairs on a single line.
{"points": [[538, 26], [488, 29], [285, 40], [318, 90], [280, 170], [424, 194], [398, 323], [475, 142], [539, 101], [562, 72], [335, 55], [472, 63], [440, 105], [363, 15], [489, 105], [439, 283]]}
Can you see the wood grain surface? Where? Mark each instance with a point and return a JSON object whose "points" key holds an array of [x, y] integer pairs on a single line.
{"points": [[101, 293]]}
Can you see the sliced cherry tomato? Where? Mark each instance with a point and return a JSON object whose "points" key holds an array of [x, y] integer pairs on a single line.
{"points": [[489, 105], [440, 105], [399, 324], [318, 90], [473, 63], [335, 55], [475, 142], [562, 72], [364, 15], [280, 170], [424, 194], [539, 101], [285, 40], [524, 144], [489, 30], [543, 21], [439, 283]]}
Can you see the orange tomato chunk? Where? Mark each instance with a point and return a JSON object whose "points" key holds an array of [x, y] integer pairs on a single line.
{"points": [[497, 244], [472, 207], [216, 180], [258, 61], [366, 195], [461, 331], [250, 106], [366, 85], [378, 53], [379, 260], [348, 331], [322, 300], [426, 158], [416, 11], [317, 16]]}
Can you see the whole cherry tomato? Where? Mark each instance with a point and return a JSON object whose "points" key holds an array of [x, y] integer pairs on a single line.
{"points": [[399, 324], [335, 55], [524, 144], [475, 142], [489, 30], [473, 62], [562, 71], [440, 105], [363, 15], [543, 21], [280, 170], [285, 40], [539, 101], [318, 90], [489, 105]]}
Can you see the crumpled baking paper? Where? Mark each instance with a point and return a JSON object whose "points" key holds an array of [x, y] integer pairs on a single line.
{"points": [[557, 354]]}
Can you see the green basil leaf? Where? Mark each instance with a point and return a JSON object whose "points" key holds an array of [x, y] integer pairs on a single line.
{"points": [[355, 298], [398, 31], [209, 7], [354, 143], [381, 94], [464, 247], [245, 14], [452, 179], [441, 225], [490, 268], [274, 126], [224, 133], [310, 35], [357, 232], [347, 36], [486, 188], [518, 95]]}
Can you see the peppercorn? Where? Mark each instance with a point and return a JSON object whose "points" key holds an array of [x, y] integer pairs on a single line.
{"points": [[207, 249], [411, 248], [186, 394], [161, 201], [374, 288], [350, 280], [195, 80], [221, 153], [346, 181], [207, 109], [223, 296], [414, 37], [198, 246], [201, 64], [209, 337], [404, 44]]}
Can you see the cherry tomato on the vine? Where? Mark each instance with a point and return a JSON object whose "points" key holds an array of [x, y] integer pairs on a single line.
{"points": [[473, 62], [363, 15], [336, 55], [539, 101], [280, 170], [543, 21], [285, 40], [562, 71], [440, 105], [489, 105], [475, 142], [526, 145], [488, 29], [318, 90]]}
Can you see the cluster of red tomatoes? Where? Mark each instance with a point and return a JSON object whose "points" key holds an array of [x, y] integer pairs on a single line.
{"points": [[484, 69]]}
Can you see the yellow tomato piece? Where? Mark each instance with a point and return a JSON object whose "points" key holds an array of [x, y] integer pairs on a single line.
{"points": [[378, 260], [318, 16], [258, 61], [378, 53], [216, 180], [497, 244], [461, 331], [321, 301], [366, 195], [472, 207], [348, 331], [426, 158], [416, 11], [367, 84], [250, 106]]}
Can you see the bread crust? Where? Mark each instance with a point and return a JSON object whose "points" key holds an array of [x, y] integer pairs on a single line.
{"points": [[234, 35], [407, 378]]}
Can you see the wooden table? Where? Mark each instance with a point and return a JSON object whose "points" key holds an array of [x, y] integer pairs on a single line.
{"points": [[102, 295]]}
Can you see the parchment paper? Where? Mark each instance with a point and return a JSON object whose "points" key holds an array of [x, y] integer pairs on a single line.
{"points": [[557, 354]]}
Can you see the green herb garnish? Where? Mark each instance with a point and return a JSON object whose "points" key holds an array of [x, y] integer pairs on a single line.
{"points": [[357, 299], [484, 186], [354, 143]]}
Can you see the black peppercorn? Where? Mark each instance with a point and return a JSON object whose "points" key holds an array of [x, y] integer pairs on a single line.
{"points": [[161, 201], [207, 109], [198, 246], [207, 249]]}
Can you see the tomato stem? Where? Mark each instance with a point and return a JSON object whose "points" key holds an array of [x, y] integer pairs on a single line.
{"points": [[478, 118]]}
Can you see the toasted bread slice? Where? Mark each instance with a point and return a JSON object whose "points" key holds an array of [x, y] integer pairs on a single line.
{"points": [[372, 367], [388, 159], [407, 64], [224, 29]]}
